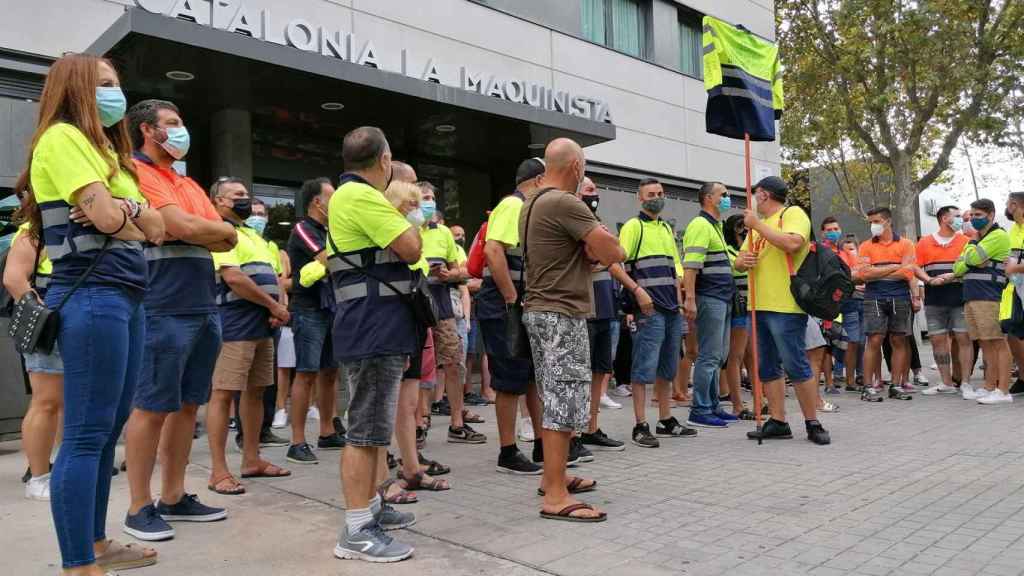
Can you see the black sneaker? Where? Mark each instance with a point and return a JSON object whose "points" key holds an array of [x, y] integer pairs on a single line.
{"points": [[442, 408], [392, 462], [896, 394], [474, 399], [518, 465], [421, 438], [538, 451], [331, 442], [871, 394], [598, 440], [642, 436], [571, 461], [772, 428], [189, 509], [816, 433], [239, 442], [302, 454], [232, 423], [580, 451], [339, 428], [465, 435], [269, 439], [26, 476], [671, 428], [1017, 387]]}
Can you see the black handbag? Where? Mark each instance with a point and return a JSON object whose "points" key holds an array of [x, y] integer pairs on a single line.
{"points": [[515, 331], [34, 327], [419, 299]]}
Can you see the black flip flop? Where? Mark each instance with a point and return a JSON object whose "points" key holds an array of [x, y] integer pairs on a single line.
{"points": [[565, 514]]}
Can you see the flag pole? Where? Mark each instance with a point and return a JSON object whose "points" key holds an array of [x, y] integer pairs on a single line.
{"points": [[756, 376]]}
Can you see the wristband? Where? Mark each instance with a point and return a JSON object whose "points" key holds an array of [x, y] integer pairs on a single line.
{"points": [[134, 208], [121, 227]]}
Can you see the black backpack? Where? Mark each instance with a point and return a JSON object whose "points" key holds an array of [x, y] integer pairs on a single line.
{"points": [[822, 283]]}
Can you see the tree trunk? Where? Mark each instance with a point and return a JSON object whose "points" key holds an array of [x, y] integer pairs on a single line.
{"points": [[904, 198]]}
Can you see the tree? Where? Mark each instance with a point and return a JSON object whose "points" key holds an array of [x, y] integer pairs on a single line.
{"points": [[879, 92]]}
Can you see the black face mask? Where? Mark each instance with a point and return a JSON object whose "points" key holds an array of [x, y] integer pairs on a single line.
{"points": [[1009, 214], [592, 202], [242, 207], [461, 242]]}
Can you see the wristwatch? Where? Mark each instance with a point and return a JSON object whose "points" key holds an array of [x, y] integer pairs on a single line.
{"points": [[134, 208]]}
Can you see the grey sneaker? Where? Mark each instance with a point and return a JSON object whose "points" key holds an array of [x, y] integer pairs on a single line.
{"points": [[371, 544], [391, 519]]}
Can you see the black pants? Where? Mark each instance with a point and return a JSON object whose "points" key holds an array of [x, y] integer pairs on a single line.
{"points": [[915, 357], [623, 365]]}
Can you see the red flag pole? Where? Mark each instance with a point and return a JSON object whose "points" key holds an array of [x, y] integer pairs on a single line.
{"points": [[753, 298]]}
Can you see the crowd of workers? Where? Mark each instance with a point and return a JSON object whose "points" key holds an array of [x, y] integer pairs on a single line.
{"points": [[184, 303]]}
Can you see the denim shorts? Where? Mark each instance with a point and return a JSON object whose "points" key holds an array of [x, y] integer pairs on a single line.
{"points": [[780, 346], [509, 374], [373, 385], [474, 341], [178, 361], [40, 363], [312, 335], [887, 316], [600, 334], [740, 322], [853, 325], [656, 346], [945, 319]]}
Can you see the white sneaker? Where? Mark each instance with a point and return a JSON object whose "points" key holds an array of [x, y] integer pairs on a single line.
{"points": [[996, 396], [280, 419], [940, 389], [622, 391], [38, 488], [976, 394], [968, 392], [526, 430], [313, 413], [607, 402]]}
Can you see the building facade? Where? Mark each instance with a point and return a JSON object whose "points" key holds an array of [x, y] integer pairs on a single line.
{"points": [[464, 89]]}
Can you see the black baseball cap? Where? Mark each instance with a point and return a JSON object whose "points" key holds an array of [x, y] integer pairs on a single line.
{"points": [[774, 185], [529, 169]]}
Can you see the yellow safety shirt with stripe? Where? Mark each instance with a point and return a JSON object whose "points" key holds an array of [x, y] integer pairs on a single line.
{"points": [[240, 318], [439, 248], [982, 266], [45, 267], [652, 259], [502, 226], [705, 250], [1016, 257], [743, 79], [371, 283]]}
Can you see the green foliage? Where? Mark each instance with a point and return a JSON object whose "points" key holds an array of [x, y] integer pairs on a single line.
{"points": [[879, 92]]}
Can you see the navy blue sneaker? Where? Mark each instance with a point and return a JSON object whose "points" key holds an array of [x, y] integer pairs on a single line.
{"points": [[148, 525], [190, 509], [706, 421], [725, 416]]}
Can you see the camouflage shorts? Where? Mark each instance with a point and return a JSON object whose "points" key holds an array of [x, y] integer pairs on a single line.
{"points": [[561, 358]]}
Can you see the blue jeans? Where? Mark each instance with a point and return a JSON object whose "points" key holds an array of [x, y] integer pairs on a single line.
{"points": [[780, 345], [102, 336], [713, 331], [656, 346]]}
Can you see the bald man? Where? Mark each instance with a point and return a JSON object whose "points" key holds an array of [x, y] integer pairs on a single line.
{"points": [[561, 238], [402, 172]]}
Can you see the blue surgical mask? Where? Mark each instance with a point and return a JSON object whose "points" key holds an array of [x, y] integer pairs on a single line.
{"points": [[957, 223], [416, 217], [257, 223], [725, 203], [833, 236], [979, 223], [177, 142], [111, 103], [428, 207]]}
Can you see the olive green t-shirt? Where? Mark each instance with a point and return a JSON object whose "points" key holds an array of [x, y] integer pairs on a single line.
{"points": [[557, 268]]}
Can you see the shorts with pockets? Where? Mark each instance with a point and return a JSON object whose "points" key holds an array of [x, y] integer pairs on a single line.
{"points": [[509, 374], [945, 319], [178, 361], [314, 349], [887, 316], [599, 332], [447, 345], [656, 346], [983, 320], [42, 363], [373, 385], [244, 364], [561, 355], [780, 346]]}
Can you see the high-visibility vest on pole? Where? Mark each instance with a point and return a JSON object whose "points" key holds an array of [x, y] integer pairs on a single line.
{"points": [[744, 84]]}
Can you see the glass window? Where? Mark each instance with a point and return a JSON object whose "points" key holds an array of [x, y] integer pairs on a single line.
{"points": [[617, 24], [691, 53], [593, 20]]}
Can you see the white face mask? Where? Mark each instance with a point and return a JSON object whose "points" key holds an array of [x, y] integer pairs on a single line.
{"points": [[416, 217], [877, 229]]}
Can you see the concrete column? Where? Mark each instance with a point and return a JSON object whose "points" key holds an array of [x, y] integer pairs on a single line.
{"points": [[231, 145]]}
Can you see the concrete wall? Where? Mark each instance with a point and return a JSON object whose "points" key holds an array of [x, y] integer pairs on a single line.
{"points": [[658, 112]]}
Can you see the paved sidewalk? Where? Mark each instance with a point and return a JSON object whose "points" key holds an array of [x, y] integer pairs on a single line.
{"points": [[929, 486]]}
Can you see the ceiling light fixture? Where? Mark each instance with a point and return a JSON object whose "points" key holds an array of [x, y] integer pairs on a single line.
{"points": [[444, 128], [180, 75], [332, 106]]}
